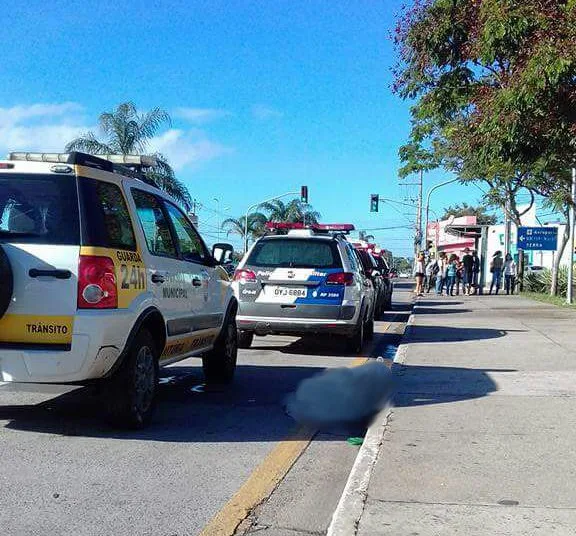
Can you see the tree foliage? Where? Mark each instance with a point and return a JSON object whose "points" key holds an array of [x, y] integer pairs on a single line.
{"points": [[293, 211], [494, 85], [483, 217], [256, 225], [128, 132]]}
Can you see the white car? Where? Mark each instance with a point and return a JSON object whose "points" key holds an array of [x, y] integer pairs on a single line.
{"points": [[535, 269], [308, 281], [104, 278]]}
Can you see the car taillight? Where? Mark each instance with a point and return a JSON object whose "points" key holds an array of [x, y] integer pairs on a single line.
{"points": [[340, 278], [245, 276], [97, 283]]}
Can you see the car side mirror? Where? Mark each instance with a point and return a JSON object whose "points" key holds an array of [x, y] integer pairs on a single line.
{"points": [[222, 253]]}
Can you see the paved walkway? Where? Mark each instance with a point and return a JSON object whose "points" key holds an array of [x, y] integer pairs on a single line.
{"points": [[482, 440]]}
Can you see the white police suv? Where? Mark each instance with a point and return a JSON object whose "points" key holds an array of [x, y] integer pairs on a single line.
{"points": [[308, 281], [103, 277]]}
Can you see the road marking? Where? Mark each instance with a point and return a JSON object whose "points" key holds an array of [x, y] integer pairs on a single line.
{"points": [[267, 476]]}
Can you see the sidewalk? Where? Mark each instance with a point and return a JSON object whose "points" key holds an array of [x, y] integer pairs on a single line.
{"points": [[482, 438]]}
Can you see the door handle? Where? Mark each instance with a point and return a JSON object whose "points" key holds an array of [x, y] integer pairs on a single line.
{"points": [[157, 278], [197, 282], [57, 274]]}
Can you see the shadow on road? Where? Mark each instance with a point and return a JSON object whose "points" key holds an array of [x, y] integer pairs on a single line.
{"points": [[420, 310]]}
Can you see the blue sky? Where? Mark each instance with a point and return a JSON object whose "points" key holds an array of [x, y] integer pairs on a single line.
{"points": [[264, 95]]}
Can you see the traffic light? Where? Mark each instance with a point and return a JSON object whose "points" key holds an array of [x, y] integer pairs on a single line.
{"points": [[374, 202], [304, 194]]}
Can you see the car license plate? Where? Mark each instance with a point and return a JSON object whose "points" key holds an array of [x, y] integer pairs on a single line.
{"points": [[289, 292]]}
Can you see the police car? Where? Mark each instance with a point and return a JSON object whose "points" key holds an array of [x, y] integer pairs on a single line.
{"points": [[104, 278], [308, 281]]}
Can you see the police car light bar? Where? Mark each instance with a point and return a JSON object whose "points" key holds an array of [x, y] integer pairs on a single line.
{"points": [[288, 226], [81, 158]]}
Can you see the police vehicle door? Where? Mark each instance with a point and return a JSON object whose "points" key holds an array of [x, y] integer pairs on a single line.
{"points": [[169, 277], [198, 266]]}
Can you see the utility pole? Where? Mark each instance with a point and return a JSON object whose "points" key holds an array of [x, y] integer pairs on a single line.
{"points": [[507, 224], [571, 240], [418, 238]]}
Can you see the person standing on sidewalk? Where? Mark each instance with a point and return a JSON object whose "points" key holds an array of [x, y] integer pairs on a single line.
{"points": [[496, 269], [467, 276], [475, 272], [420, 273], [441, 275], [510, 272], [451, 275], [431, 271]]}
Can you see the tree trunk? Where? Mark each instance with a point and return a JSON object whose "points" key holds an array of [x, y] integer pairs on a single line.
{"points": [[558, 260]]}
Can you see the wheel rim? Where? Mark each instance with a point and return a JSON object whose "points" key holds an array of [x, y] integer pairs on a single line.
{"points": [[144, 380]]}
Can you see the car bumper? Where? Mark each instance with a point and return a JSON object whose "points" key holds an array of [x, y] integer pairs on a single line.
{"points": [[266, 319]]}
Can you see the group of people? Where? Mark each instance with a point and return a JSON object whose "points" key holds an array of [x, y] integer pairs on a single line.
{"points": [[448, 274]]}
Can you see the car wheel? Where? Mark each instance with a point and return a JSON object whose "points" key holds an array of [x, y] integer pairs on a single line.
{"points": [[219, 364], [245, 339], [369, 328], [356, 341], [132, 390]]}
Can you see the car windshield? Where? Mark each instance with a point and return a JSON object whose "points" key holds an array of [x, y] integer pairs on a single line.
{"points": [[295, 253], [39, 209]]}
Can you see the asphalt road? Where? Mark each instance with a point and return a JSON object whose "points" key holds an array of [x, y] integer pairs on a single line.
{"points": [[64, 471]]}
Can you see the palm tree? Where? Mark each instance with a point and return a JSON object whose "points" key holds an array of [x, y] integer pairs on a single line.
{"points": [[127, 132], [256, 225], [293, 212]]}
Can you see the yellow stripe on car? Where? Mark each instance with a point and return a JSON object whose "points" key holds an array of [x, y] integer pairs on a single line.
{"points": [[34, 329], [130, 270]]}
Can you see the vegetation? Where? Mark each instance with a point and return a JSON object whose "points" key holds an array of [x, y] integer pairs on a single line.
{"points": [[256, 225], [464, 209], [546, 298], [494, 85], [402, 264], [125, 131], [293, 211]]}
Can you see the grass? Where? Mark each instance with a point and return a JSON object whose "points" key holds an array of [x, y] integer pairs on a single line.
{"points": [[559, 301]]}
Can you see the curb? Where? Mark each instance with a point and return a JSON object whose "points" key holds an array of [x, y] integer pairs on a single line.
{"points": [[346, 517]]}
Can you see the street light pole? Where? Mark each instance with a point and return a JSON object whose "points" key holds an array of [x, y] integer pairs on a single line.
{"points": [[257, 205], [435, 187]]}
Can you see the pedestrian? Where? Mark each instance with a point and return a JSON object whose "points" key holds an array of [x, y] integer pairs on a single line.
{"points": [[496, 270], [510, 272], [451, 275], [420, 273], [459, 276], [467, 275], [431, 271], [475, 272], [441, 275]]}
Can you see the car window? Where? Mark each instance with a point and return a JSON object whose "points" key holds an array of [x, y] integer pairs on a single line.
{"points": [[295, 253], [352, 258], [189, 242], [39, 209], [154, 224], [106, 218]]}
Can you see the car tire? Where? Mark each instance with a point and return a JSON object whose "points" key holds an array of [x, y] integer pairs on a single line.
{"points": [[219, 364], [245, 339], [369, 329], [132, 391], [6, 282], [355, 343]]}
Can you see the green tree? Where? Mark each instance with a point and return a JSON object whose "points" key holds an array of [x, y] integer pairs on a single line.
{"points": [[483, 217], [493, 84], [293, 211], [127, 132], [256, 225]]}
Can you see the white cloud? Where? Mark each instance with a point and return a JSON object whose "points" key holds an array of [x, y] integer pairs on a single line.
{"points": [[187, 148], [18, 114], [200, 115], [40, 127], [49, 127], [263, 112]]}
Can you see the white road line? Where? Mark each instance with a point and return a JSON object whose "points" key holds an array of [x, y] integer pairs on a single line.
{"points": [[347, 515]]}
